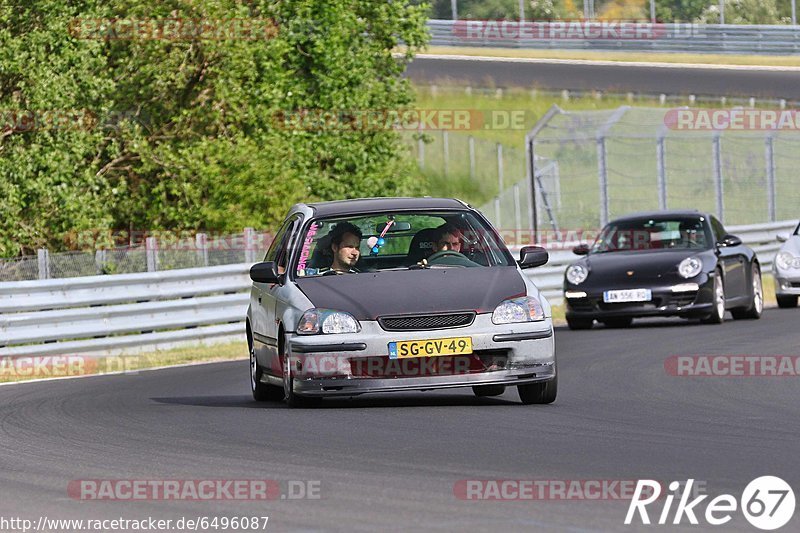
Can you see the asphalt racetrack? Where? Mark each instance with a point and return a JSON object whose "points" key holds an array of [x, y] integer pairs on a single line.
{"points": [[602, 76], [391, 462]]}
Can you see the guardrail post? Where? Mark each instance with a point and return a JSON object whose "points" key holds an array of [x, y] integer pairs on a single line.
{"points": [[662, 173], [499, 168], [769, 157], [201, 248], [718, 188], [471, 157], [151, 253], [249, 245], [43, 259]]}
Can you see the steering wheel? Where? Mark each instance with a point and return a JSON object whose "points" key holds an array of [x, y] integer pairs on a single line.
{"points": [[446, 253]]}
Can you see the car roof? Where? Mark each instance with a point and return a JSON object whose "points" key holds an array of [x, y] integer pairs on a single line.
{"points": [[662, 214], [368, 205]]}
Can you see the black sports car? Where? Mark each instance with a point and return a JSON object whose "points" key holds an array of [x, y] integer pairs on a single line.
{"points": [[667, 263]]}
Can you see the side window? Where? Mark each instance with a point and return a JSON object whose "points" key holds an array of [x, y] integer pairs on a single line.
{"points": [[272, 253], [719, 229], [287, 244]]}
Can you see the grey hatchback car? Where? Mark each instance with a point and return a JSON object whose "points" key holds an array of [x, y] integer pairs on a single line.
{"points": [[396, 294]]}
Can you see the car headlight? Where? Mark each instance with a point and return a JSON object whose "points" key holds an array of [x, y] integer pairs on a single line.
{"points": [[525, 309], [577, 274], [785, 261], [690, 267], [316, 321]]}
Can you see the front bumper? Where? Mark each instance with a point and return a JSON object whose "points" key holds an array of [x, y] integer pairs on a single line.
{"points": [[787, 282], [513, 354], [665, 302]]}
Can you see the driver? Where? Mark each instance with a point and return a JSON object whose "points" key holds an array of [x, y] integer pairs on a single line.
{"points": [[345, 239], [447, 237]]}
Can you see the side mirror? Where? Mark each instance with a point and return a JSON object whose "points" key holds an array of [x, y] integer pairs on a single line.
{"points": [[781, 237], [581, 249], [729, 241], [264, 272], [533, 256]]}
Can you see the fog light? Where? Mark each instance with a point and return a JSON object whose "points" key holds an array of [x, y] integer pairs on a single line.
{"points": [[686, 287], [575, 294]]}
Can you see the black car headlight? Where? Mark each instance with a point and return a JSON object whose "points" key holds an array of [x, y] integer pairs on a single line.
{"points": [[525, 309], [577, 274], [327, 321], [690, 267]]}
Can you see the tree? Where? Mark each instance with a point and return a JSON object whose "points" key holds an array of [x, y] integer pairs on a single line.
{"points": [[182, 132]]}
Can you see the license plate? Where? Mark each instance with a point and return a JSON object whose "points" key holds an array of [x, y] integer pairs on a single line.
{"points": [[627, 295], [430, 347]]}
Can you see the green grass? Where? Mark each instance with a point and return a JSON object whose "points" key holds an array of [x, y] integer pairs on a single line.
{"points": [[135, 362]]}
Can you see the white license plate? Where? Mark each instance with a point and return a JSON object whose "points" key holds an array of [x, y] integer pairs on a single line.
{"points": [[627, 295]]}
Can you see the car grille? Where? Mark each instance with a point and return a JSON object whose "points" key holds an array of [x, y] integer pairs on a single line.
{"points": [[422, 322], [796, 284]]}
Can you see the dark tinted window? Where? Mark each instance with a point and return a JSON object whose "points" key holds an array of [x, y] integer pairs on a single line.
{"points": [[719, 229], [652, 234]]}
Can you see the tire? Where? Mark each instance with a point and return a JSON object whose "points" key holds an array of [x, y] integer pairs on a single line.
{"points": [[293, 400], [482, 391], [538, 393], [786, 302], [580, 323], [756, 307], [717, 315], [262, 392], [617, 322]]}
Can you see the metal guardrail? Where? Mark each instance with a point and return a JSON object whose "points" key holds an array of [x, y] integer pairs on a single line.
{"points": [[703, 38], [112, 314]]}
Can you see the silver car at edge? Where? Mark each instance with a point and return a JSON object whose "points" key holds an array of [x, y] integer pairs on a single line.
{"points": [[384, 309], [786, 269]]}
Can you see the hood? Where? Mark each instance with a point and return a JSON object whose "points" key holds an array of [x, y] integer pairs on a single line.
{"points": [[369, 295], [792, 246], [646, 266]]}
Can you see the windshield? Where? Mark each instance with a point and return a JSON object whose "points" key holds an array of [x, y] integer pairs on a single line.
{"points": [[652, 234], [398, 241]]}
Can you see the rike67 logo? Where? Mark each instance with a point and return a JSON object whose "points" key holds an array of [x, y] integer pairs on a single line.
{"points": [[767, 503]]}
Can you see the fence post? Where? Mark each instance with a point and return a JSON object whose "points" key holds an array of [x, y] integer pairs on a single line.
{"points": [[602, 177], [499, 168], [717, 161], [249, 245], [497, 218], [522, 11], [421, 152], [517, 210], [445, 152], [151, 252], [201, 248], [454, 8], [770, 161], [471, 157], [100, 261], [43, 259], [662, 173]]}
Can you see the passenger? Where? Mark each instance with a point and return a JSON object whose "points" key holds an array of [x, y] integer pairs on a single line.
{"points": [[345, 239]]}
